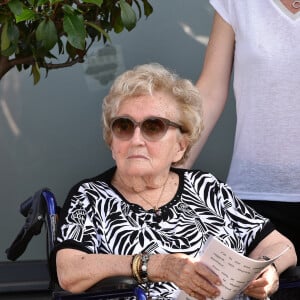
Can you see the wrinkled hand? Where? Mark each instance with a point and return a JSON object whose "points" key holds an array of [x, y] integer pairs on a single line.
{"points": [[265, 285], [191, 276]]}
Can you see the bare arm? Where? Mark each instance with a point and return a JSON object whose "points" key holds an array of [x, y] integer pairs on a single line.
{"points": [[271, 246], [214, 80], [267, 283], [77, 271]]}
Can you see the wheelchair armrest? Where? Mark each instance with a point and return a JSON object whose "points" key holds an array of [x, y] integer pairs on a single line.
{"points": [[116, 282], [117, 287]]}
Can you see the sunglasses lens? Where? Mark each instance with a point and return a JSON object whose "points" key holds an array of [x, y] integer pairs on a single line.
{"points": [[123, 128], [153, 129]]}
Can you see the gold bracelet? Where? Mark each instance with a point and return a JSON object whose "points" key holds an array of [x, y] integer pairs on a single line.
{"points": [[135, 267]]}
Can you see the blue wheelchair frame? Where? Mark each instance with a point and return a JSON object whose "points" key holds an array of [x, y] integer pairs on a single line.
{"points": [[42, 209]]}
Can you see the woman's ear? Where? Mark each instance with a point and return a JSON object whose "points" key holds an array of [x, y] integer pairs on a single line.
{"points": [[112, 151], [182, 145]]}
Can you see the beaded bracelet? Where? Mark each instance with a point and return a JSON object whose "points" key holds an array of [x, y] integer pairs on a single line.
{"points": [[139, 267], [144, 267]]}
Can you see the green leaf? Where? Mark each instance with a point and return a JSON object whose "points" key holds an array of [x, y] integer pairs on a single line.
{"points": [[9, 39], [148, 9], [13, 33], [75, 30], [128, 15], [3, 19], [68, 9], [46, 34], [118, 25], [10, 50], [96, 2], [35, 71], [16, 7], [25, 15], [5, 40], [99, 29]]}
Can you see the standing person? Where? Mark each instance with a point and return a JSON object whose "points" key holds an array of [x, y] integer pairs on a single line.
{"points": [[259, 42], [146, 219]]}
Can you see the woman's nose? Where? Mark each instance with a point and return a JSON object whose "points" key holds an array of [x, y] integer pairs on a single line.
{"points": [[137, 135]]}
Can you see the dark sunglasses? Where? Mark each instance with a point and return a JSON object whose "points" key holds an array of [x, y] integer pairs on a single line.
{"points": [[152, 128]]}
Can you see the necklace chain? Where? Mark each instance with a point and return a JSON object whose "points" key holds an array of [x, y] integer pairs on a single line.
{"points": [[296, 4], [155, 207]]}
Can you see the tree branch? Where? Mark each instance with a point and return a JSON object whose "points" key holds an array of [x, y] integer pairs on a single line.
{"points": [[6, 64], [68, 63]]}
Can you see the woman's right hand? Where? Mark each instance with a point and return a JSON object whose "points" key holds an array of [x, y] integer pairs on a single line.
{"points": [[188, 274]]}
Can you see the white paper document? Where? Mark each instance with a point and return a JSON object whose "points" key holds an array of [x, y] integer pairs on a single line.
{"points": [[235, 270]]}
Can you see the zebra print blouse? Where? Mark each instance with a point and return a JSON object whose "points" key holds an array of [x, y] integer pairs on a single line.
{"points": [[96, 218]]}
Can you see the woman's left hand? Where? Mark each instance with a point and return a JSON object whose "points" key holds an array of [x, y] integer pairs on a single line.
{"points": [[264, 285]]}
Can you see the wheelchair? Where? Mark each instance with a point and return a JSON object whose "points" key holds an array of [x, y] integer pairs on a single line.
{"points": [[42, 210]]}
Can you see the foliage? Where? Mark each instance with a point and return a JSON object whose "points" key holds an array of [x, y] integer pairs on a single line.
{"points": [[30, 29]]}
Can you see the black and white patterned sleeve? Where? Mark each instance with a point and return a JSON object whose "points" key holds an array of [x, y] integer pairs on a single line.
{"points": [[250, 225], [77, 227]]}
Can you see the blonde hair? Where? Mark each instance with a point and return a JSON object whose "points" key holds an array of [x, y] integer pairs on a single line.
{"points": [[144, 80]]}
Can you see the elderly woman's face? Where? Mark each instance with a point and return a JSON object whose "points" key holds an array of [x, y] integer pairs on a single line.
{"points": [[143, 151]]}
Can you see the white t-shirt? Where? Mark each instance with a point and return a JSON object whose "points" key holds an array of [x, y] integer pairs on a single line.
{"points": [[266, 156]]}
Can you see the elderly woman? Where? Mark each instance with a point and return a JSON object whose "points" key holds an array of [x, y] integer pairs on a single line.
{"points": [[146, 219]]}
